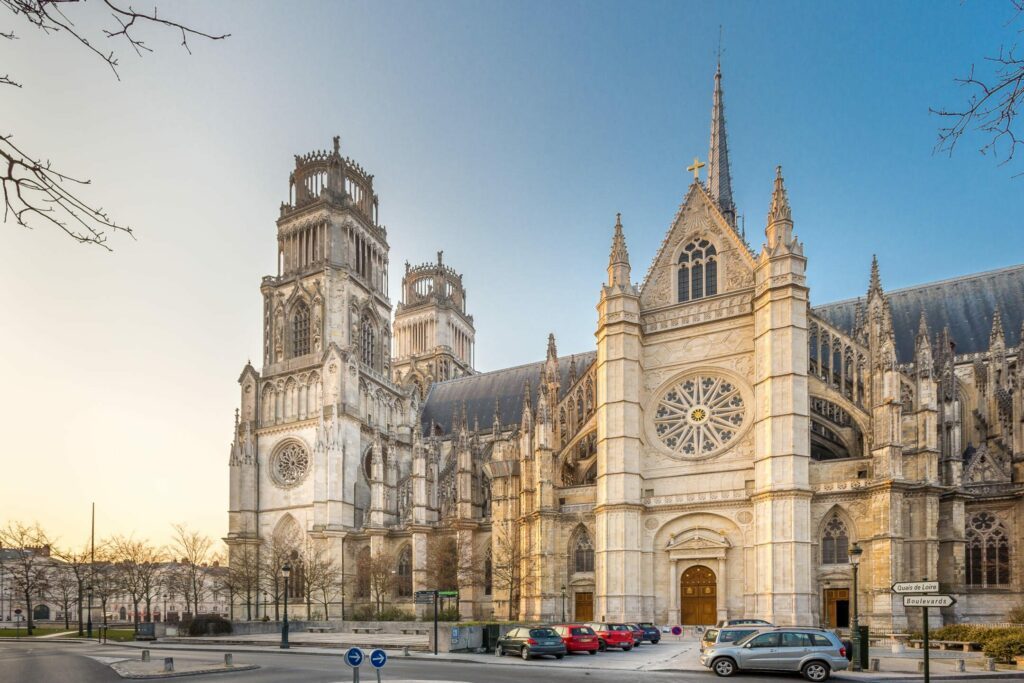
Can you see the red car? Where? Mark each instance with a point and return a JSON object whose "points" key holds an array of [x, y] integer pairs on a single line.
{"points": [[612, 635], [578, 638]]}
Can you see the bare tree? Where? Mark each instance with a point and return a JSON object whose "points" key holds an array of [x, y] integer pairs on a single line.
{"points": [[78, 564], [193, 551], [27, 561], [104, 577], [320, 577], [63, 589], [137, 564], [506, 558], [281, 548], [995, 97], [36, 193], [379, 569], [245, 574], [442, 562]]}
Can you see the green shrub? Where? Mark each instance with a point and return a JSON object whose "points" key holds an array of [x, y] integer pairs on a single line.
{"points": [[450, 614], [1005, 647], [364, 613], [395, 614], [1016, 615], [209, 625]]}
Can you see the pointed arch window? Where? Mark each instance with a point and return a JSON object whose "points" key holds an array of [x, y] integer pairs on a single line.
{"points": [[363, 573], [300, 330], [404, 581], [835, 542], [697, 276], [988, 551], [368, 336], [488, 573], [583, 554]]}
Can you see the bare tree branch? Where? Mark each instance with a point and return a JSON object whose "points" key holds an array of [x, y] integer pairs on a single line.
{"points": [[36, 194], [993, 103]]}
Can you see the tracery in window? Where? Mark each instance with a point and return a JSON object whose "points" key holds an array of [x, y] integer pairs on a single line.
{"points": [[835, 542], [300, 330], [289, 465], [368, 336], [404, 582], [988, 551], [697, 276], [699, 415], [583, 553]]}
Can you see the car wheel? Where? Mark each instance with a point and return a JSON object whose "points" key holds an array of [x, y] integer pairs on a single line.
{"points": [[525, 653], [655, 642], [815, 671], [559, 656], [499, 652], [724, 667], [602, 646], [591, 652], [627, 648]]}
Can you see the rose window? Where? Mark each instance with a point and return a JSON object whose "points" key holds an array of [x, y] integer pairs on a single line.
{"points": [[699, 415], [290, 465]]}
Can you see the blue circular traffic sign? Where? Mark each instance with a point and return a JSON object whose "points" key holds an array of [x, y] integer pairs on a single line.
{"points": [[676, 630], [378, 658], [354, 657]]}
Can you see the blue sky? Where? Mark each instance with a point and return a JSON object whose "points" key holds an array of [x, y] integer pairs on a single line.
{"points": [[506, 134]]}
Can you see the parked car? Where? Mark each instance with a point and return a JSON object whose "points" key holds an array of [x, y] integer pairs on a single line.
{"points": [[743, 622], [578, 638], [638, 634], [727, 635], [529, 642], [612, 635], [813, 652], [652, 633]]}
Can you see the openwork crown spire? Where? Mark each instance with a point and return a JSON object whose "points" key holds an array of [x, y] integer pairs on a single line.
{"points": [[997, 337], [875, 284], [779, 210], [619, 253]]}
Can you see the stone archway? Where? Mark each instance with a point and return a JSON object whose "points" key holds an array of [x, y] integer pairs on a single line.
{"points": [[698, 596], [41, 612]]}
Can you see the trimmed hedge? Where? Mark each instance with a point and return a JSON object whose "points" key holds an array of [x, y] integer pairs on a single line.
{"points": [[1004, 648], [209, 625], [1001, 642]]}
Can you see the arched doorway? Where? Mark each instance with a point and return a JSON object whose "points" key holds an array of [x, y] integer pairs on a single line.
{"points": [[41, 613], [698, 591]]}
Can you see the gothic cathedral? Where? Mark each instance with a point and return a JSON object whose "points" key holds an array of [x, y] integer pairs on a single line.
{"points": [[719, 455]]}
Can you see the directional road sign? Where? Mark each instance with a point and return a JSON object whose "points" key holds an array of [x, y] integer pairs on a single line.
{"points": [[903, 587], [928, 600], [378, 658], [448, 594], [354, 657]]}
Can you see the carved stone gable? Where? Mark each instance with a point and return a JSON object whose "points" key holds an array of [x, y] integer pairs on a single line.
{"points": [[697, 219], [987, 466], [698, 543]]}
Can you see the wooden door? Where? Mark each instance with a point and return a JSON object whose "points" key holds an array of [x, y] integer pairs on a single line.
{"points": [[837, 607], [698, 591], [584, 610]]}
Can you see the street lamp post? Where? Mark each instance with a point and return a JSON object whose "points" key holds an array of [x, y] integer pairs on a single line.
{"points": [[343, 602], [88, 628], [286, 571], [855, 553], [264, 606], [563, 603], [163, 615]]}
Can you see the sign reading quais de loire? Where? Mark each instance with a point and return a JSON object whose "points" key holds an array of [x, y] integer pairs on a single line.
{"points": [[902, 587]]}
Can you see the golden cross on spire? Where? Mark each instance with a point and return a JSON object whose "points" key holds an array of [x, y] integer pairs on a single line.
{"points": [[695, 167]]}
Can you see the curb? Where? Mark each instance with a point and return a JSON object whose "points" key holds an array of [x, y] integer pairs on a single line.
{"points": [[178, 674]]}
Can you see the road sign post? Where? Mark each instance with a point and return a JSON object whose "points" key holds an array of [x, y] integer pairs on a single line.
{"points": [[378, 658], [912, 597], [354, 658], [435, 623]]}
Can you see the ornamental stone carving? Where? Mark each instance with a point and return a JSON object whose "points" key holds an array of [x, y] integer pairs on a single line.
{"points": [[289, 465], [699, 414]]}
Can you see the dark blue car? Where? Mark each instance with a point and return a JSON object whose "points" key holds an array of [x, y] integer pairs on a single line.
{"points": [[652, 633]]}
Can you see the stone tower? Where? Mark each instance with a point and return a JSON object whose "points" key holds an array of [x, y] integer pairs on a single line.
{"points": [[434, 336]]}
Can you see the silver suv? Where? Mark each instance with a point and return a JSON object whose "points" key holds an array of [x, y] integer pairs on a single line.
{"points": [[813, 652], [730, 635]]}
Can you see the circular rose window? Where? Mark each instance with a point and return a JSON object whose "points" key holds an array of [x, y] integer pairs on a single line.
{"points": [[290, 464], [699, 415]]}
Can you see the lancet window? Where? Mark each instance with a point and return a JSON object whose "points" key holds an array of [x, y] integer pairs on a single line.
{"points": [[583, 554], [988, 551], [404, 587], [835, 542], [300, 330], [697, 276], [368, 336]]}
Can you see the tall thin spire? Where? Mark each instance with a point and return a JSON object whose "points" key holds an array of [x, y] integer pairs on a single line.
{"points": [[719, 177], [618, 260]]}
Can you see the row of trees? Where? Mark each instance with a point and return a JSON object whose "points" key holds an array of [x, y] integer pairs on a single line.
{"points": [[38, 570]]}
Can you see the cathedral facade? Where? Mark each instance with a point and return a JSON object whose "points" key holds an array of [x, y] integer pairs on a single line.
{"points": [[717, 455]]}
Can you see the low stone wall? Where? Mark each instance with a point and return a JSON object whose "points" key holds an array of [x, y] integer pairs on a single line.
{"points": [[247, 628]]}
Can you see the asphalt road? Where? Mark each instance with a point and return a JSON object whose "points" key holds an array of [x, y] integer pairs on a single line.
{"points": [[55, 662]]}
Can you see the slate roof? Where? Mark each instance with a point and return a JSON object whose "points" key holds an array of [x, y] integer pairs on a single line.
{"points": [[964, 304], [479, 392]]}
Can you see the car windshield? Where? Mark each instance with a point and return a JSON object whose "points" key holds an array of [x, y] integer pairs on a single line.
{"points": [[733, 635], [746, 639], [543, 633]]}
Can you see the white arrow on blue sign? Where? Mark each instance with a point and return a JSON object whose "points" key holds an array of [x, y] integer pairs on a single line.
{"points": [[354, 657], [378, 658]]}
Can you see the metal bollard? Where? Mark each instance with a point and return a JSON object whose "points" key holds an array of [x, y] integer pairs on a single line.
{"points": [[920, 666], [990, 664], [873, 665], [145, 655], [405, 650], [228, 659], [168, 664], [958, 666]]}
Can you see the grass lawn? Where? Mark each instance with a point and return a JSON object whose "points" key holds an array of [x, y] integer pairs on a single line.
{"points": [[23, 632], [115, 634]]}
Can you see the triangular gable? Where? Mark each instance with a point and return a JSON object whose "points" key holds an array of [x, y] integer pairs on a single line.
{"points": [[698, 216], [698, 539]]}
